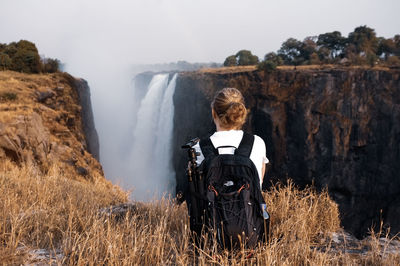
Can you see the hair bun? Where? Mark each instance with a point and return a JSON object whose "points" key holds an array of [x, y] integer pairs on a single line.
{"points": [[235, 112]]}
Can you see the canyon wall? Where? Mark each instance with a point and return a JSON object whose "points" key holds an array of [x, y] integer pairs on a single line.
{"points": [[89, 129], [336, 128]]}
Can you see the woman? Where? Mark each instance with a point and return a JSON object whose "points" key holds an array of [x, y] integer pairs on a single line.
{"points": [[229, 114]]}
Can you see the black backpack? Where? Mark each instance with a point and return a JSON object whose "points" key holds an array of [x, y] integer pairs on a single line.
{"points": [[236, 210]]}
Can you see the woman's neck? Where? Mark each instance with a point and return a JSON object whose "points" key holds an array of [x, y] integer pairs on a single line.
{"points": [[218, 125], [219, 128]]}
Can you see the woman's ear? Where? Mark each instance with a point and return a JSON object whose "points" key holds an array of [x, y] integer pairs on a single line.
{"points": [[215, 118], [214, 115]]}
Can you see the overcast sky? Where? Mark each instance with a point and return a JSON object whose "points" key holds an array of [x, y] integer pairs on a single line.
{"points": [[159, 31]]}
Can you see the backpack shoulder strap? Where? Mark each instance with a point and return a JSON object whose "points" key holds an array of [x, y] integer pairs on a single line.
{"points": [[207, 148], [246, 145]]}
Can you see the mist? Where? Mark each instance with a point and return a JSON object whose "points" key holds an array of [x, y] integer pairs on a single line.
{"points": [[100, 41]]}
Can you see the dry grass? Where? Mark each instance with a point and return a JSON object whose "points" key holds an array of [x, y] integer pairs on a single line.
{"points": [[62, 215], [224, 70], [236, 69]]}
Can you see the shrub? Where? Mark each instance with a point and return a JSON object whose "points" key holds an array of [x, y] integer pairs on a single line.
{"points": [[23, 56], [273, 57], [230, 61], [51, 65], [393, 61], [8, 96], [11, 49], [241, 58], [246, 58], [26, 61], [5, 61], [267, 66]]}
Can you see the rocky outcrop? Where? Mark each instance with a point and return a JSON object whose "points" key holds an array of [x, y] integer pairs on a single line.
{"points": [[48, 121], [140, 83], [23, 128], [332, 127]]}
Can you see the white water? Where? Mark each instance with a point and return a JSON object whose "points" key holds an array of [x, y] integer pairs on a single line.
{"points": [[152, 172]]}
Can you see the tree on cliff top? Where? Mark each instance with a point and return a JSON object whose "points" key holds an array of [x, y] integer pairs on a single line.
{"points": [[241, 58], [274, 58], [396, 39], [23, 56], [27, 58], [386, 47], [334, 41], [389, 47], [364, 39], [271, 61], [246, 58], [230, 61], [361, 47], [364, 44], [290, 51]]}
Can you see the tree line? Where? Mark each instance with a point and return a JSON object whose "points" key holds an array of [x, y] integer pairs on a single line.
{"points": [[23, 56], [360, 47]]}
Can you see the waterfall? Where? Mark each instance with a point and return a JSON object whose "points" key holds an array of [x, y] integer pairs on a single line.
{"points": [[152, 172]]}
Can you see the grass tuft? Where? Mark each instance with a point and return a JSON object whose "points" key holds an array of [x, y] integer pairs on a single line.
{"points": [[8, 97]]}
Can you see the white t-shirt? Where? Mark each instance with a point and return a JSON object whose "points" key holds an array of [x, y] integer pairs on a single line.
{"points": [[233, 138]]}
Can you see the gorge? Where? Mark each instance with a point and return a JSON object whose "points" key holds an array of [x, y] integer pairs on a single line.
{"points": [[337, 128]]}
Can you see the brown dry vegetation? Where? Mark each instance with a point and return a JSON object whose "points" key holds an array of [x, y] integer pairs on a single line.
{"points": [[52, 212]]}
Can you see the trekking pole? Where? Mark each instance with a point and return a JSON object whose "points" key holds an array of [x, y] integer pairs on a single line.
{"points": [[192, 189], [200, 187], [192, 174]]}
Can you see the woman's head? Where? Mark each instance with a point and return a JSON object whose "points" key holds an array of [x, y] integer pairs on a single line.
{"points": [[228, 106]]}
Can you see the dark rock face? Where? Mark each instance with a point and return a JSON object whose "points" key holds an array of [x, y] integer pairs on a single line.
{"points": [[335, 128], [89, 129], [141, 82]]}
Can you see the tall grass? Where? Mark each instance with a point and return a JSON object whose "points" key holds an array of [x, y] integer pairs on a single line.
{"points": [[61, 215]]}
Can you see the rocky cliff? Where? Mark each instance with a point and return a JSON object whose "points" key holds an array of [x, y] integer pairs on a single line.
{"points": [[89, 130], [332, 127], [47, 119]]}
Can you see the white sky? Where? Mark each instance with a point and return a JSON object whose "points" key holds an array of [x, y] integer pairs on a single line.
{"points": [[159, 31]]}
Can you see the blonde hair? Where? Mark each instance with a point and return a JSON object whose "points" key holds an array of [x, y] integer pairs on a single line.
{"points": [[228, 105]]}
